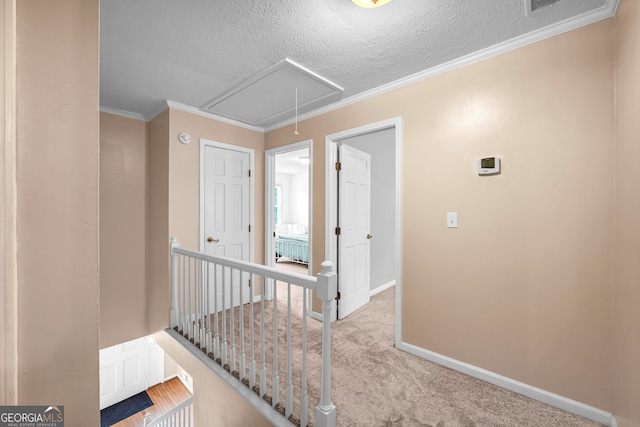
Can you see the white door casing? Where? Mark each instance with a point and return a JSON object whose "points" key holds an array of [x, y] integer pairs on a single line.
{"points": [[354, 219], [226, 213], [270, 183], [331, 202]]}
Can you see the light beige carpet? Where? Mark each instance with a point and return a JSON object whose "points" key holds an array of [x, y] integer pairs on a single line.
{"points": [[374, 384]]}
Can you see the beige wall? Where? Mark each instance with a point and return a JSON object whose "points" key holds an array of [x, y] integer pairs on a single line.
{"points": [[58, 149], [174, 178], [215, 404], [123, 200], [627, 291], [185, 178], [158, 260], [174, 199], [523, 286]]}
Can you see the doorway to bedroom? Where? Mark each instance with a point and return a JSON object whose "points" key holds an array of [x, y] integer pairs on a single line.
{"points": [[288, 208]]}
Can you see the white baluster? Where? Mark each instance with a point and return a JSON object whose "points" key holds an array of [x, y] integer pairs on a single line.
{"points": [[304, 397], [196, 302], [289, 394], [263, 370], [252, 364], [175, 312], [243, 360], [205, 308], [184, 295], [275, 385], [327, 290], [190, 324], [232, 327], [224, 320], [216, 332]]}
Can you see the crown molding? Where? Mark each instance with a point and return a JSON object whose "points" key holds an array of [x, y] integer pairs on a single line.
{"points": [[122, 113], [199, 112], [181, 107], [606, 11]]}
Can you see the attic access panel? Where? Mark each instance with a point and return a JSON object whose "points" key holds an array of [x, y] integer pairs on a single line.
{"points": [[272, 93]]}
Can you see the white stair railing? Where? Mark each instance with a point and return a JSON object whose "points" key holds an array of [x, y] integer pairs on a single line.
{"points": [[203, 308], [180, 416]]}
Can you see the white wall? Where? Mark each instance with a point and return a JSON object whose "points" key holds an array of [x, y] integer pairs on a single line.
{"points": [[381, 146], [295, 197]]}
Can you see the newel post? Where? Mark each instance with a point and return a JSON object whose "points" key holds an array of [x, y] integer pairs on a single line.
{"points": [[175, 315], [327, 291]]}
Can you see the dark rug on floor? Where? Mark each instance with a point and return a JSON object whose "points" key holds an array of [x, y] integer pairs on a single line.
{"points": [[126, 408]]}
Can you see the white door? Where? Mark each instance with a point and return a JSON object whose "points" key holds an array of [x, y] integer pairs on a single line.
{"points": [[354, 218], [122, 371], [226, 217]]}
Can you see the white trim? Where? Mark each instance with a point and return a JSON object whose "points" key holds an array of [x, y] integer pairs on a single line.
{"points": [[330, 202], [313, 314], [198, 112], [170, 377], [123, 113], [532, 392], [286, 62], [157, 111], [259, 404], [8, 208], [209, 143], [590, 17], [384, 287], [185, 383], [269, 183], [193, 110], [595, 15]]}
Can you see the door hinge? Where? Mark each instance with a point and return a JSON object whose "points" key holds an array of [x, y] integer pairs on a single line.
{"points": [[338, 166], [338, 231], [249, 228], [249, 173], [338, 296]]}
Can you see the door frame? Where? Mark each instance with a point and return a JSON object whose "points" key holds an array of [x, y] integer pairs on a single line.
{"points": [[269, 183], [331, 202], [215, 144]]}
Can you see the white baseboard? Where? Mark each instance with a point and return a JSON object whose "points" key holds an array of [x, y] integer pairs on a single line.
{"points": [[549, 398], [170, 377], [315, 315], [382, 288]]}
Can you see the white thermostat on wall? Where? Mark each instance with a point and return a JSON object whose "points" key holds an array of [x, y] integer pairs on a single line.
{"points": [[489, 166]]}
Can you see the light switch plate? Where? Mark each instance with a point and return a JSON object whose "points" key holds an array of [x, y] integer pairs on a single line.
{"points": [[452, 219]]}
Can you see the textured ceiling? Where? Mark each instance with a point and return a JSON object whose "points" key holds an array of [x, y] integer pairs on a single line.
{"points": [[192, 51]]}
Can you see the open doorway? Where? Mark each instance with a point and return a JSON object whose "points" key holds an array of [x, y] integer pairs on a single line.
{"points": [[288, 209], [382, 143]]}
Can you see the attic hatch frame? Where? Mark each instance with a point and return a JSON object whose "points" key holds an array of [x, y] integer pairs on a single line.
{"points": [[332, 90]]}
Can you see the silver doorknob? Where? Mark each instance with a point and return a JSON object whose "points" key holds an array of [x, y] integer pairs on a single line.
{"points": [[369, 236], [212, 240]]}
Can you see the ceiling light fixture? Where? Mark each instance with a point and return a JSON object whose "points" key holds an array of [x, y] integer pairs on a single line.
{"points": [[371, 3]]}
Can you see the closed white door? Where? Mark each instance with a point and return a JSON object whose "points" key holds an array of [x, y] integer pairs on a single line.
{"points": [[123, 370], [354, 218], [226, 224]]}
